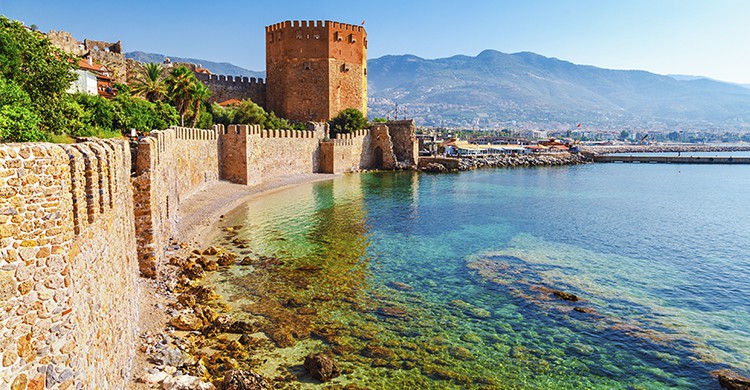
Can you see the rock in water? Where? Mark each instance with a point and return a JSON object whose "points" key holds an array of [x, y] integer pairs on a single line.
{"points": [[244, 380], [732, 380], [565, 296], [321, 367], [186, 382]]}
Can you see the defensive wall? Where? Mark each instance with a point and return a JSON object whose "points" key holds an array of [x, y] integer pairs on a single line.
{"points": [[79, 223], [231, 87], [68, 266]]}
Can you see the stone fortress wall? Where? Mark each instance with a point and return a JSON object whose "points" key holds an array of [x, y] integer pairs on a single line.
{"points": [[79, 223], [68, 266], [231, 87], [108, 54]]}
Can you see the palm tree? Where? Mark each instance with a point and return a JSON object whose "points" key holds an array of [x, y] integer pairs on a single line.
{"points": [[180, 89], [150, 84], [200, 93]]}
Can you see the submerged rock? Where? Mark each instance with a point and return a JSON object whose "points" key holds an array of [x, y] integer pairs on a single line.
{"points": [[244, 380], [731, 380], [565, 296], [321, 367], [400, 286], [392, 311]]}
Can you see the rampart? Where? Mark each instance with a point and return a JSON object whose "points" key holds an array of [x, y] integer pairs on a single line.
{"points": [[230, 87], [68, 266], [170, 165]]}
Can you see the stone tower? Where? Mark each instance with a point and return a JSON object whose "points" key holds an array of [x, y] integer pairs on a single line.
{"points": [[314, 70]]}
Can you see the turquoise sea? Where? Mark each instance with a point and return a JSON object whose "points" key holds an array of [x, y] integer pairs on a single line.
{"points": [[600, 276]]}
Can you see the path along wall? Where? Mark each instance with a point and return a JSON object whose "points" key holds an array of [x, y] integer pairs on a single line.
{"points": [[68, 266]]}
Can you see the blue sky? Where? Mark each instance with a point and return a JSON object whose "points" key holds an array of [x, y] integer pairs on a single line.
{"points": [[696, 37]]}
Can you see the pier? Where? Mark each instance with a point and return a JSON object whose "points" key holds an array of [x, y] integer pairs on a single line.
{"points": [[672, 159]]}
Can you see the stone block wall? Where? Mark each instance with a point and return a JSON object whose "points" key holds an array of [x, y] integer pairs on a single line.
{"points": [[170, 166], [230, 87], [250, 155], [348, 153], [68, 266], [405, 145]]}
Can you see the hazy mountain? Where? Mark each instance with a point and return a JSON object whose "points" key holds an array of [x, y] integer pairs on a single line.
{"points": [[496, 89], [224, 68]]}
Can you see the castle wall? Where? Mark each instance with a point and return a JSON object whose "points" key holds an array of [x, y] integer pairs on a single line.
{"points": [[68, 279], [347, 153], [171, 165], [229, 87], [405, 145], [251, 155]]}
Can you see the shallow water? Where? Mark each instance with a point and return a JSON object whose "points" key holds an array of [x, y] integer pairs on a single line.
{"points": [[449, 281]]}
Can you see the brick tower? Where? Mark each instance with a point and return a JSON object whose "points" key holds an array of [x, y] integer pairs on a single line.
{"points": [[314, 70]]}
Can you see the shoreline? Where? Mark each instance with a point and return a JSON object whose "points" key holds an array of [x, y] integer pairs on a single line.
{"points": [[666, 148], [196, 216]]}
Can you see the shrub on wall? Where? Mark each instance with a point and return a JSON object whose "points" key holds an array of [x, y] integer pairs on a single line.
{"points": [[348, 121]]}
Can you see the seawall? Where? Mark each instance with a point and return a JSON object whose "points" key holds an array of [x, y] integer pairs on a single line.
{"points": [[68, 266]]}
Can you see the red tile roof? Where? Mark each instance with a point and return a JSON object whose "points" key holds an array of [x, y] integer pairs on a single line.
{"points": [[230, 102]]}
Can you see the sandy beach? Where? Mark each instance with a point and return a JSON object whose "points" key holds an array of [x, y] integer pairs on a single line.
{"points": [[196, 216]]}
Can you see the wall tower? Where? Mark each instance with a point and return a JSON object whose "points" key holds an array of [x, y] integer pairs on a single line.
{"points": [[315, 69]]}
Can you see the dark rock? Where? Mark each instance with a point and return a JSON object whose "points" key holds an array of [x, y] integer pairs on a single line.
{"points": [[245, 339], [373, 351], [242, 327], [565, 296], [244, 380], [210, 251], [321, 367], [731, 380], [194, 271], [226, 259]]}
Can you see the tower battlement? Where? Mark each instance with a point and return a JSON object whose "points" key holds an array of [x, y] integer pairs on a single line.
{"points": [[315, 69]]}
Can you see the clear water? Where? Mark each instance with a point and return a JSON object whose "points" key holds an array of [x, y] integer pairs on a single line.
{"points": [[658, 256]]}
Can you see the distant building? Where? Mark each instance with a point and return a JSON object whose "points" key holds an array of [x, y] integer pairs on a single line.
{"points": [[93, 79]]}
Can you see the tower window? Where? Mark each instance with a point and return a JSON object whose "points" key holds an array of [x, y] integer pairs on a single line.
{"points": [[337, 36], [345, 68], [307, 65], [352, 38], [299, 34]]}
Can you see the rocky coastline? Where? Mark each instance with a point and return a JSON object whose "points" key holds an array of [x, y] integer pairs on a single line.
{"points": [[532, 160]]}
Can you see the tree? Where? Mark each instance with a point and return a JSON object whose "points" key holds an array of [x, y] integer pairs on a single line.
{"points": [[39, 69], [180, 89], [150, 83], [624, 135], [348, 121], [199, 93], [18, 123]]}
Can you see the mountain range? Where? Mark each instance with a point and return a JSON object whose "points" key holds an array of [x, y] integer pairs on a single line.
{"points": [[215, 67], [527, 90]]}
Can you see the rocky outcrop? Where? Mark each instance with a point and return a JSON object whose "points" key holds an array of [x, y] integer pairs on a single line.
{"points": [[322, 367], [731, 380]]}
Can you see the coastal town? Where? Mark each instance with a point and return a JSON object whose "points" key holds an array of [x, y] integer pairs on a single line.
{"points": [[106, 263]]}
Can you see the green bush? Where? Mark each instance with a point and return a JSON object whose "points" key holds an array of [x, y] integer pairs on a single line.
{"points": [[18, 122], [348, 121]]}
